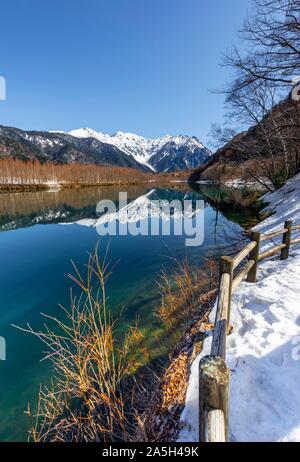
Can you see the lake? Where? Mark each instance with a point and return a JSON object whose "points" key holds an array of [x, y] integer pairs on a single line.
{"points": [[41, 232]]}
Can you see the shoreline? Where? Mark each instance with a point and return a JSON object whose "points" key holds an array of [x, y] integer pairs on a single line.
{"points": [[19, 188], [161, 420], [264, 319], [53, 187]]}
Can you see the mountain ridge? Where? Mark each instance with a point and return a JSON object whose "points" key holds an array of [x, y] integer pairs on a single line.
{"points": [[151, 151], [165, 154]]}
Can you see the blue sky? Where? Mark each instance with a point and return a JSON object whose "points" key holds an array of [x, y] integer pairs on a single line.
{"points": [[144, 66]]}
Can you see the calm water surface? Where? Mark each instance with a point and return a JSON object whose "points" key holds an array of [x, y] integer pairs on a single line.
{"points": [[36, 249]]}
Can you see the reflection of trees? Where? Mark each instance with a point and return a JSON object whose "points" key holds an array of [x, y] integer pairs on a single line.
{"points": [[25, 209], [236, 204], [227, 231], [34, 202], [18, 204]]}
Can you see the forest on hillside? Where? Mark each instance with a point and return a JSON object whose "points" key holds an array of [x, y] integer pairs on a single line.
{"points": [[260, 137], [18, 172]]}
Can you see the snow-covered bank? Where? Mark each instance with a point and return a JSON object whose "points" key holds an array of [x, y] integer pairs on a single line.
{"points": [[263, 352], [284, 204], [254, 185]]}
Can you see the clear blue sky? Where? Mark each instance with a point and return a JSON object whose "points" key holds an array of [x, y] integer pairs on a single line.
{"points": [[145, 66]]}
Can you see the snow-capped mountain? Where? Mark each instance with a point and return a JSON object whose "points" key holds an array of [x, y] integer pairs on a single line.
{"points": [[61, 147], [165, 154]]}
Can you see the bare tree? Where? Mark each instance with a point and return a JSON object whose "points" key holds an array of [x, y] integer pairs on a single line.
{"points": [[14, 172], [272, 37], [257, 96]]}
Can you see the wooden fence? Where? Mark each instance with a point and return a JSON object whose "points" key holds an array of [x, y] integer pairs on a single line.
{"points": [[214, 374]]}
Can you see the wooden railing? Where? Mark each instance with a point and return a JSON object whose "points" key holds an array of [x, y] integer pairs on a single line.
{"points": [[213, 371]]}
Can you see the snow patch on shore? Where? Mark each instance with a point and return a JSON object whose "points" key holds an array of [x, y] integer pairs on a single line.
{"points": [[263, 352]]}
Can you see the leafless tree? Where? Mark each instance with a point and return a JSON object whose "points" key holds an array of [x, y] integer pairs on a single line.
{"points": [[18, 172], [258, 94], [272, 38]]}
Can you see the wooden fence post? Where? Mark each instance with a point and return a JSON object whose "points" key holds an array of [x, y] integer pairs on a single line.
{"points": [[254, 254], [286, 240], [213, 395], [226, 266]]}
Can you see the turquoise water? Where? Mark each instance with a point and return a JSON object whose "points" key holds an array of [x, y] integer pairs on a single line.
{"points": [[36, 249]]}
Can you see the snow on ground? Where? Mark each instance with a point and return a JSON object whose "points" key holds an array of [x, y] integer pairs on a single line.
{"points": [[263, 352], [285, 202], [241, 183]]}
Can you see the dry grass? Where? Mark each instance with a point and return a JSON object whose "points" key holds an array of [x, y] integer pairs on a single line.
{"points": [[87, 399], [182, 292], [188, 295], [160, 422], [94, 395]]}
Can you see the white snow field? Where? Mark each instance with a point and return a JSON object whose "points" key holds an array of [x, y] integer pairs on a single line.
{"points": [[263, 352]]}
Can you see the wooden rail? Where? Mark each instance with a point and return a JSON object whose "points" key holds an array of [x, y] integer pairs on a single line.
{"points": [[213, 371], [221, 323], [244, 272]]}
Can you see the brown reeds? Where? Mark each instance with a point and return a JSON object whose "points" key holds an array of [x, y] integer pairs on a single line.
{"points": [[87, 399], [182, 291], [94, 394]]}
